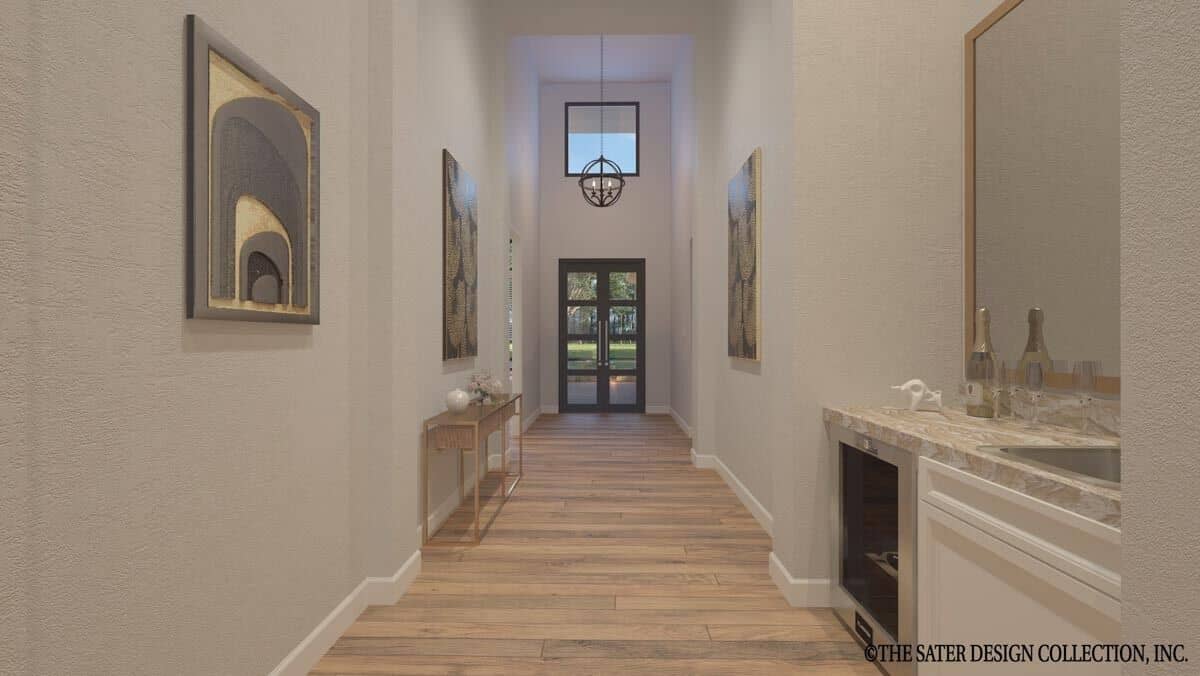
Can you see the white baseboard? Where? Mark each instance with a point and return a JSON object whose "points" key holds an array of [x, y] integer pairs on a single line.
{"points": [[657, 410], [801, 592], [687, 429], [438, 516], [371, 591], [494, 460], [386, 591], [528, 422], [756, 508], [550, 409]]}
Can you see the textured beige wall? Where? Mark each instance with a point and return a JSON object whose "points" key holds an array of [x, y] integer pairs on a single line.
{"points": [[878, 229], [1048, 202], [1160, 325], [684, 149], [193, 497], [522, 103]]}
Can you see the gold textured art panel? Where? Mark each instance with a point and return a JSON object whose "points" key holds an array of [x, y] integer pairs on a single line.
{"points": [[227, 82], [460, 264], [745, 259], [253, 189]]}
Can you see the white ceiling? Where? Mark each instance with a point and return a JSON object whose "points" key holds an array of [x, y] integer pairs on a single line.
{"points": [[627, 58]]}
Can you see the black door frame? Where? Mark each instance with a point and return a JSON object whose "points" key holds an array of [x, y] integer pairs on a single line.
{"points": [[602, 266]]}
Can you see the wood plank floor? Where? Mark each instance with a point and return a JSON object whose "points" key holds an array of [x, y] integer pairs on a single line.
{"points": [[615, 555]]}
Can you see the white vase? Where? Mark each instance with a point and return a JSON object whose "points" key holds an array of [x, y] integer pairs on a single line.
{"points": [[457, 401]]}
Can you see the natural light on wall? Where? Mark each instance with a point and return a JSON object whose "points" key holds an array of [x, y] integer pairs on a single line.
{"points": [[620, 135]]}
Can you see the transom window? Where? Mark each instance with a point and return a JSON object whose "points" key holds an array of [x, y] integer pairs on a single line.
{"points": [[622, 123]]}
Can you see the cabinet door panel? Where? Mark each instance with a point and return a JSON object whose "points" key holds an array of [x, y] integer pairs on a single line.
{"points": [[975, 588]]}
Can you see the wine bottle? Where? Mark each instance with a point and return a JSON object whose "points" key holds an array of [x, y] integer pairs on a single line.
{"points": [[1035, 344], [980, 365]]}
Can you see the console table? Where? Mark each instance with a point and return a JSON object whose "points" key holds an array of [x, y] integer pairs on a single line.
{"points": [[467, 432]]}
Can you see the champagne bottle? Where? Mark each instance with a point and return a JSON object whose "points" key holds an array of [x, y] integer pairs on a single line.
{"points": [[980, 366], [1035, 344]]}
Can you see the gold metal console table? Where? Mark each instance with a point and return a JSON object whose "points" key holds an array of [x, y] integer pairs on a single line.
{"points": [[468, 432]]}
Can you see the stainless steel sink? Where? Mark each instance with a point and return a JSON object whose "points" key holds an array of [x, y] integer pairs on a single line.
{"points": [[1098, 463]]}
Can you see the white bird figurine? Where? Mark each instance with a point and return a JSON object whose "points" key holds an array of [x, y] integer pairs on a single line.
{"points": [[919, 392]]}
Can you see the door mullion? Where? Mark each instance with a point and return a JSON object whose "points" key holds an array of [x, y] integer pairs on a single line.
{"points": [[602, 336]]}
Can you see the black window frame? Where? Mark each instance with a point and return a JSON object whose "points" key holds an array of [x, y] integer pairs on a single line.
{"points": [[637, 114]]}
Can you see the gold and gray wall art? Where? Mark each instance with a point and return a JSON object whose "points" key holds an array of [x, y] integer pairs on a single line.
{"points": [[460, 261], [745, 259], [254, 189]]}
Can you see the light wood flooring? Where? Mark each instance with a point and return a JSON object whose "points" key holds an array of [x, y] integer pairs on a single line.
{"points": [[614, 556]]}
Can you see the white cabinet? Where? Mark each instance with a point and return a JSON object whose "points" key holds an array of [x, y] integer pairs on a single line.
{"points": [[996, 566]]}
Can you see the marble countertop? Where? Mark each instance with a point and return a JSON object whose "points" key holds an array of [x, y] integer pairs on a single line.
{"points": [[954, 438]]}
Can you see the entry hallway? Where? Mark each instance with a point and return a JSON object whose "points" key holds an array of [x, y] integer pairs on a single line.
{"points": [[615, 555]]}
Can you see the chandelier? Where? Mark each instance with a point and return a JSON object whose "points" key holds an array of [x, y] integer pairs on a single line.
{"points": [[602, 180]]}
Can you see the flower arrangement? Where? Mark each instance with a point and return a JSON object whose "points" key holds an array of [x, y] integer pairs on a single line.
{"points": [[484, 387]]}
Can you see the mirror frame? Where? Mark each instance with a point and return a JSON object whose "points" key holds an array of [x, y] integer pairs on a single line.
{"points": [[1109, 385]]}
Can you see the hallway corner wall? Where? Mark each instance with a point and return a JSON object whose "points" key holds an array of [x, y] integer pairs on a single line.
{"points": [[878, 231], [744, 407], [1160, 322], [684, 176], [522, 91]]}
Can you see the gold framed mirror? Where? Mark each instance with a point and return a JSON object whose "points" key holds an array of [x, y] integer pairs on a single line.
{"points": [[1042, 181]]}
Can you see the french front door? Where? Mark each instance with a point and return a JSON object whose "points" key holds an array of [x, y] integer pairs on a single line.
{"points": [[602, 344]]}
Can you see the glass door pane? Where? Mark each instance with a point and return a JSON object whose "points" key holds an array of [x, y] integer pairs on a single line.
{"points": [[621, 346], [622, 390], [581, 285], [622, 286], [622, 338], [581, 390], [583, 341]]}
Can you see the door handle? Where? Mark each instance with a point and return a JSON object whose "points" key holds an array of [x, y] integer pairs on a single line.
{"points": [[602, 345]]}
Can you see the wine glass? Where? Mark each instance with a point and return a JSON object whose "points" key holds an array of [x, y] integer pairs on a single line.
{"points": [[1035, 382], [1083, 380], [998, 383], [1014, 391]]}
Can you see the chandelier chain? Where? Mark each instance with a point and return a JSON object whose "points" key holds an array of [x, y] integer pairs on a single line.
{"points": [[602, 95], [601, 180]]}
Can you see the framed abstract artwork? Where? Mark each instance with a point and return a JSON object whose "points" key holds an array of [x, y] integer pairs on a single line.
{"points": [[745, 259], [460, 261], [253, 189]]}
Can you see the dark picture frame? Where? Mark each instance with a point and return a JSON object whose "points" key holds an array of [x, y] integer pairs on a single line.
{"points": [[264, 139], [637, 113]]}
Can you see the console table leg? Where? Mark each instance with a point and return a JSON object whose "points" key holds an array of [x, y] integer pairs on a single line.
{"points": [[424, 493], [478, 472]]}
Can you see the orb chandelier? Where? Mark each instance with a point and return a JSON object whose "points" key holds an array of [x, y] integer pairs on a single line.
{"points": [[602, 181]]}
